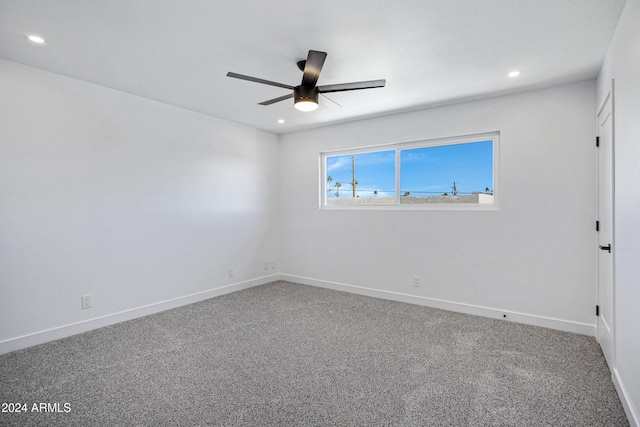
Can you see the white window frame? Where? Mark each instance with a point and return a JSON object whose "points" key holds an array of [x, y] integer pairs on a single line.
{"points": [[400, 146]]}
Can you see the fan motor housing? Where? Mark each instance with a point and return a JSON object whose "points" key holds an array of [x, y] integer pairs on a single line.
{"points": [[302, 93]]}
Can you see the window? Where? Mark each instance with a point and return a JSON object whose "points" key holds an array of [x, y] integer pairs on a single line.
{"points": [[451, 173], [376, 170]]}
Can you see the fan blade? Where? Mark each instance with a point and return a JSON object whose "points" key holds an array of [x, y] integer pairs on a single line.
{"points": [[257, 80], [312, 68], [330, 103], [351, 86], [274, 100]]}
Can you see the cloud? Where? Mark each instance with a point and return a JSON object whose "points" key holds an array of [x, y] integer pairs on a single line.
{"points": [[362, 159], [419, 155], [337, 163]]}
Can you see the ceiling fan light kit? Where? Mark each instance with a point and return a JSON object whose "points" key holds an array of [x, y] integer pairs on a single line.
{"points": [[305, 96], [305, 99]]}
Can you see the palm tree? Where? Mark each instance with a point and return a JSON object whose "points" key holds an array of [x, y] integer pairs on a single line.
{"points": [[338, 185]]}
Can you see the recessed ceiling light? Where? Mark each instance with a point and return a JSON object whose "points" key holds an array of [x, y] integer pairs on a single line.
{"points": [[280, 121], [514, 74], [35, 39]]}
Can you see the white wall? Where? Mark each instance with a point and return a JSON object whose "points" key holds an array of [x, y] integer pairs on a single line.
{"points": [[127, 199], [623, 65], [533, 259]]}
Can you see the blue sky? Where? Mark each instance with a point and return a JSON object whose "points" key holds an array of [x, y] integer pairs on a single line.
{"points": [[428, 171]]}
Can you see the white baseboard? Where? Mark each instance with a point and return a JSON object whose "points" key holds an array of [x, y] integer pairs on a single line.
{"points": [[47, 335], [632, 414], [64, 331], [529, 319]]}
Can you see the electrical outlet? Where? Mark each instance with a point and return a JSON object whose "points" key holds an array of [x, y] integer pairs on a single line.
{"points": [[230, 271], [273, 264], [416, 281], [266, 265], [87, 301]]}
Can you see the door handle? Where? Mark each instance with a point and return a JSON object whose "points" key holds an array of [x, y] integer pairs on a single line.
{"points": [[606, 248]]}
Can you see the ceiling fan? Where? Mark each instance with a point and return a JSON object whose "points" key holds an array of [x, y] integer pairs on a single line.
{"points": [[305, 96]]}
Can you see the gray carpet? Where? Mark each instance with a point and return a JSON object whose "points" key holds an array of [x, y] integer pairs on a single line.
{"points": [[285, 354]]}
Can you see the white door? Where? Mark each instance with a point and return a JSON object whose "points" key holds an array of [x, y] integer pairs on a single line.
{"points": [[605, 234]]}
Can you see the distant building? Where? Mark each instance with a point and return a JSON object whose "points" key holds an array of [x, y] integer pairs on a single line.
{"points": [[474, 198]]}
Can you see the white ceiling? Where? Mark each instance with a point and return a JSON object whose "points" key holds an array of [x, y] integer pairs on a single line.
{"points": [[430, 52]]}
